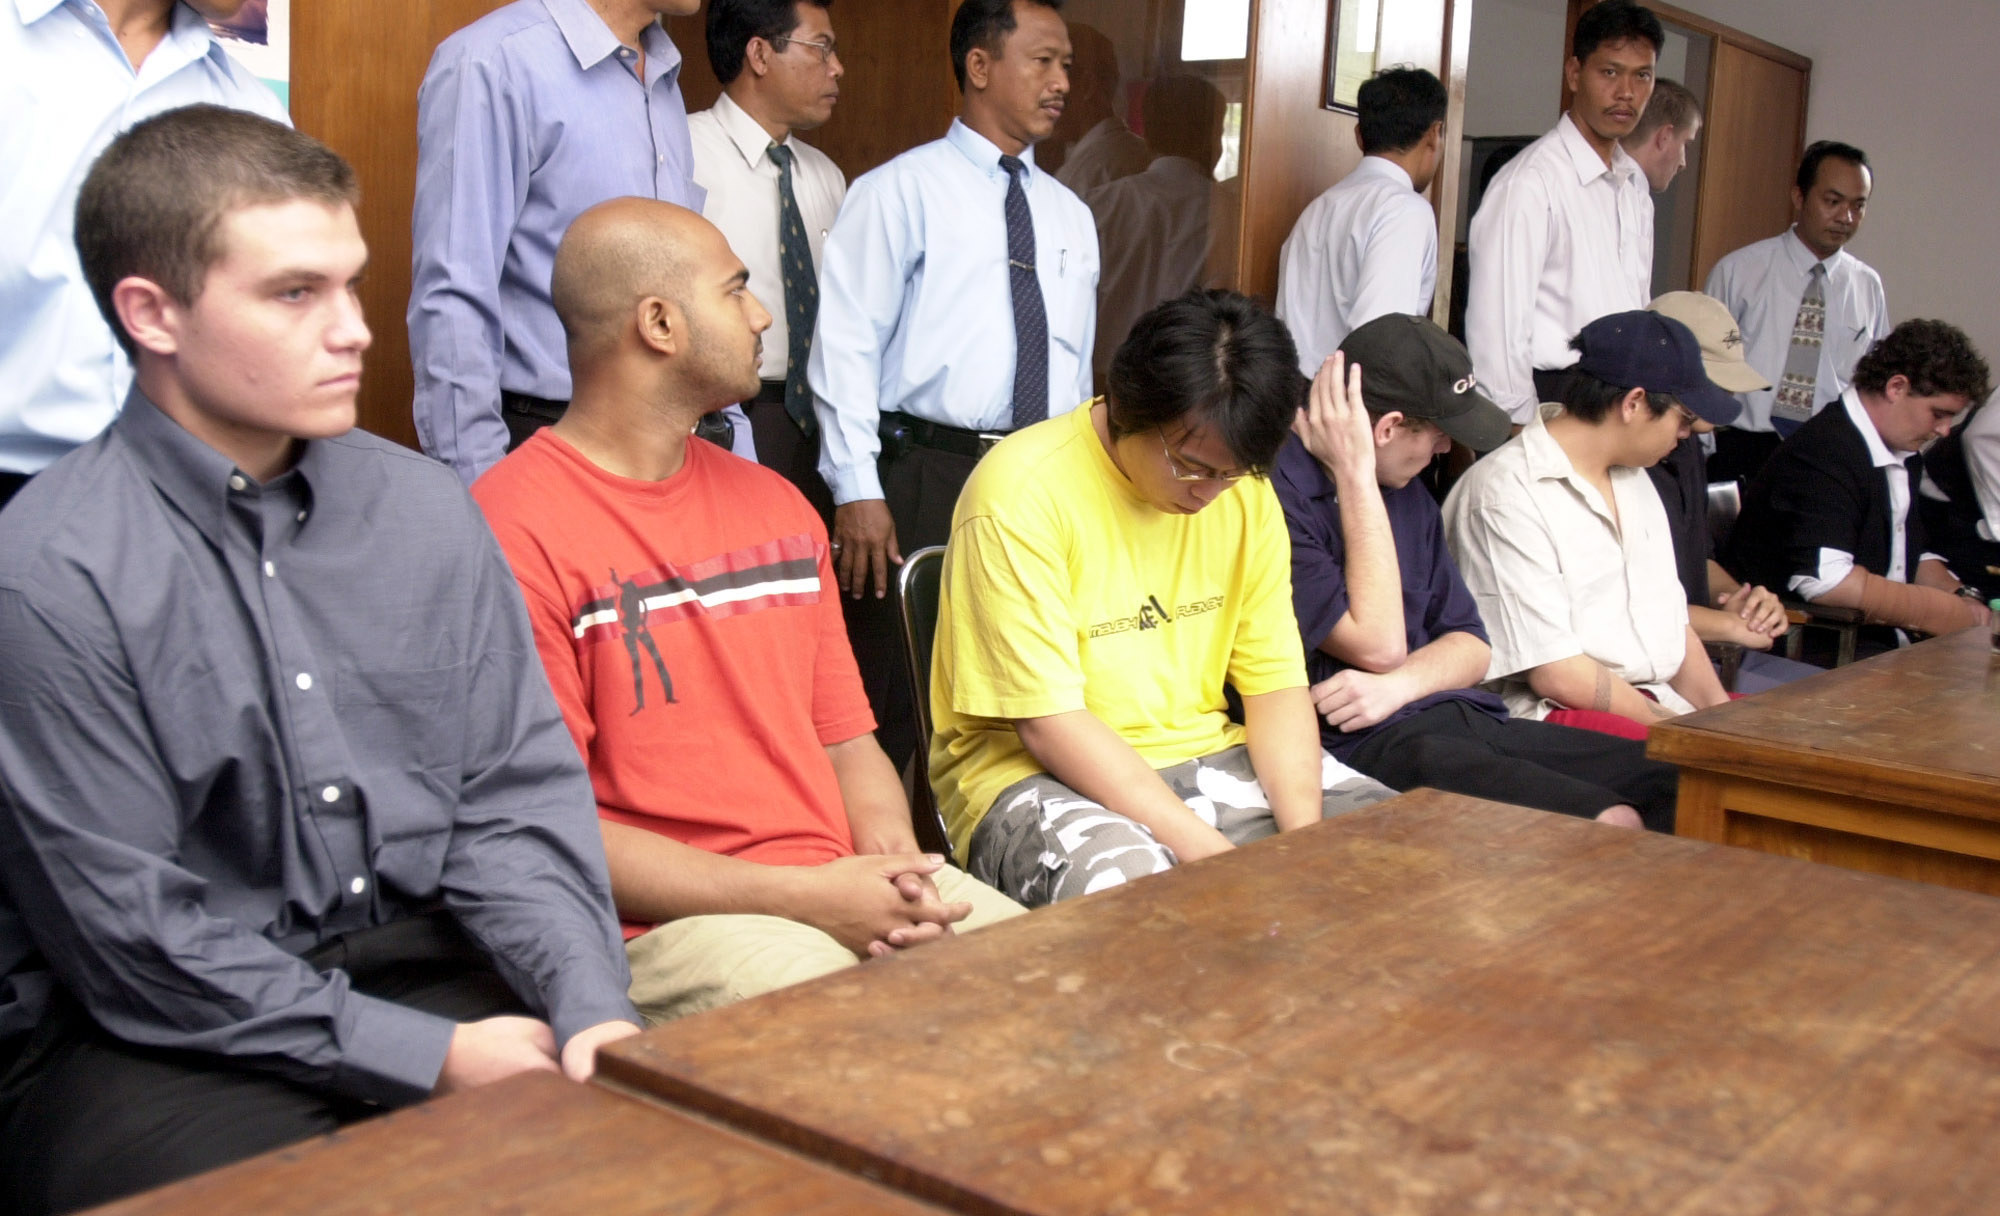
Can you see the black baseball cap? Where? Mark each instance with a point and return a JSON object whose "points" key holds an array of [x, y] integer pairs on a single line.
{"points": [[1410, 366], [1646, 350]]}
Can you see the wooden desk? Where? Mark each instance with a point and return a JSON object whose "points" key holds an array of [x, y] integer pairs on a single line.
{"points": [[1891, 765], [1435, 1005], [534, 1144]]}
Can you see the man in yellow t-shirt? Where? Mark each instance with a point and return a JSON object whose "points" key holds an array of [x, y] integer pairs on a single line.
{"points": [[1108, 572]]}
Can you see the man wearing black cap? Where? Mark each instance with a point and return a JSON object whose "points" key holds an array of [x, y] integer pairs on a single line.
{"points": [[1566, 548], [1394, 644]]}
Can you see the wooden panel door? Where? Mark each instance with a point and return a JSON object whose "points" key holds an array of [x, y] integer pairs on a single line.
{"points": [[356, 66], [1755, 131]]}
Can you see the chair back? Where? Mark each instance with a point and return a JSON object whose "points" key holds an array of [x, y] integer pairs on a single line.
{"points": [[917, 598], [1725, 503]]}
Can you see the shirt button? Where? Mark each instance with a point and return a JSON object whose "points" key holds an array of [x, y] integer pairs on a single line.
{"points": [[237, 482], [270, 570], [330, 794], [305, 682], [302, 517], [358, 885]]}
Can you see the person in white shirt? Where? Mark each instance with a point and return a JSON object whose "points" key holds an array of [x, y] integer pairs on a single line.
{"points": [[958, 300], [1098, 148], [773, 194], [1565, 233], [1166, 230], [73, 74], [1567, 551], [1368, 246], [1807, 349], [1659, 143]]}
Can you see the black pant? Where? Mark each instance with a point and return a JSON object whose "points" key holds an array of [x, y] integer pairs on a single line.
{"points": [[784, 449], [10, 485], [1740, 454], [921, 487], [86, 1118], [1460, 749]]}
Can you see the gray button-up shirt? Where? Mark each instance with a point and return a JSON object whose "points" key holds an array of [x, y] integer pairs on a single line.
{"points": [[238, 719]]}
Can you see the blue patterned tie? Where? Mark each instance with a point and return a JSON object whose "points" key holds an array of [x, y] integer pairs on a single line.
{"points": [[801, 295], [1031, 320]]}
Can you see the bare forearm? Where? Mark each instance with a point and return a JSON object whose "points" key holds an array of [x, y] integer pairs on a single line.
{"points": [[1581, 682], [1696, 680], [655, 878], [1371, 635], [878, 814], [1936, 575], [1456, 660], [1079, 750], [1284, 752]]}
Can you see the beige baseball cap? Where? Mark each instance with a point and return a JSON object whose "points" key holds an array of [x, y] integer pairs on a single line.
{"points": [[1720, 337]]}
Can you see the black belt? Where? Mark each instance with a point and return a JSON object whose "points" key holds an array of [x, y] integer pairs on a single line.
{"points": [[539, 408], [900, 430]]}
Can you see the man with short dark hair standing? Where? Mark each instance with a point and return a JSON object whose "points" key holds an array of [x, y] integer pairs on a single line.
{"points": [[958, 299], [292, 829], [774, 198], [1368, 246], [1829, 517], [1808, 308], [1108, 573], [1659, 143], [515, 138], [1565, 233]]}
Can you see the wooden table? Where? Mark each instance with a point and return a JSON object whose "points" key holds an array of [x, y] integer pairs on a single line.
{"points": [[533, 1144], [1891, 765], [1435, 1005]]}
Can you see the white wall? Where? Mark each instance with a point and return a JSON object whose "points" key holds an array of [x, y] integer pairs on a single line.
{"points": [[1909, 81]]}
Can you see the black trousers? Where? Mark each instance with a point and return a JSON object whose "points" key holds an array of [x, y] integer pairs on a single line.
{"points": [[1740, 454], [784, 449], [86, 1118], [921, 487], [1459, 749]]}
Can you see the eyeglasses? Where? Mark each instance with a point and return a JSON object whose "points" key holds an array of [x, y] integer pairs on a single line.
{"points": [[1181, 474], [827, 50], [1686, 413]]}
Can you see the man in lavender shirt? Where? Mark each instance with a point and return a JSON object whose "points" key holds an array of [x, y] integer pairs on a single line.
{"points": [[516, 136]]}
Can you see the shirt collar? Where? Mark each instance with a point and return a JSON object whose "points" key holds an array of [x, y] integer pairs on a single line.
{"points": [[1544, 456], [32, 11], [1584, 159], [592, 41], [183, 25], [1296, 468], [1879, 454], [1379, 166], [1803, 258], [752, 141], [983, 152], [194, 477]]}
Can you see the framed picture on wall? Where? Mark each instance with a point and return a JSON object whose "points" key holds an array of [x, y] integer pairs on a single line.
{"points": [[1354, 39]]}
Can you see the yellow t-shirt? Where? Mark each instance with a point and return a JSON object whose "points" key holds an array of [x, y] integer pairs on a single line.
{"points": [[1064, 590]]}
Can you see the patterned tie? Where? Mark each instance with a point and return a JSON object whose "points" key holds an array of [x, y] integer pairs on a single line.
{"points": [[1794, 402], [1031, 321], [801, 295]]}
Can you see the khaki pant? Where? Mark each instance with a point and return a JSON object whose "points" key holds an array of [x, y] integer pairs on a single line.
{"points": [[704, 962]]}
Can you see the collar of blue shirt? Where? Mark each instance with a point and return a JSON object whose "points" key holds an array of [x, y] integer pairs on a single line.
{"points": [[592, 41], [983, 152], [196, 478], [1803, 259]]}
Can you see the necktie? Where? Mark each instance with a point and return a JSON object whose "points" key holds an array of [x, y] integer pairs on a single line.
{"points": [[1793, 403], [1031, 320], [801, 295]]}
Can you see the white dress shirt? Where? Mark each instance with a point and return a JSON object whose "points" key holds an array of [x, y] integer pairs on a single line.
{"points": [[1365, 248], [1156, 235], [1555, 577], [1105, 153], [1837, 564], [66, 91], [916, 309], [1763, 283], [732, 162], [1559, 241]]}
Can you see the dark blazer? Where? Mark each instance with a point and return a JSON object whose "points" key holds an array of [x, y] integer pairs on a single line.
{"points": [[1819, 491]]}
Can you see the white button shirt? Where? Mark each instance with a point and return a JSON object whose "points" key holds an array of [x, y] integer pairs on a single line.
{"points": [[1559, 241], [1763, 283], [1554, 577], [67, 90], [1365, 248], [916, 309], [732, 162]]}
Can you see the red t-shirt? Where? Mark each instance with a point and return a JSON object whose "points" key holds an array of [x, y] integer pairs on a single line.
{"points": [[692, 630]]}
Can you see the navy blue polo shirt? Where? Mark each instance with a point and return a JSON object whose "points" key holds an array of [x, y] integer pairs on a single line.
{"points": [[1435, 601]]}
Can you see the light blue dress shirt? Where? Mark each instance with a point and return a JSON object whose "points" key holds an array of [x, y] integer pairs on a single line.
{"points": [[916, 313], [66, 91], [526, 118]]}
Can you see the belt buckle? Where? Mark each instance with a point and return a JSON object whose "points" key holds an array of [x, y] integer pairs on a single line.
{"points": [[988, 438]]}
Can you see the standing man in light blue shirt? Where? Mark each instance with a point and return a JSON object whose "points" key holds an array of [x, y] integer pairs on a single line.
{"points": [[526, 118], [73, 74], [958, 300]]}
